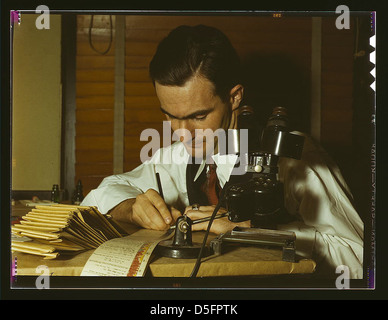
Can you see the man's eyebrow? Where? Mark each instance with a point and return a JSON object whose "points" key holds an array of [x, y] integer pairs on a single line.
{"points": [[190, 116]]}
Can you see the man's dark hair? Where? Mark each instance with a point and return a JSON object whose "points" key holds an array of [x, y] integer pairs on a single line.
{"points": [[202, 50]]}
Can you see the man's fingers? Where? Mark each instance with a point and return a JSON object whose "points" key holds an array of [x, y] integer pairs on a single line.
{"points": [[152, 212], [146, 214], [175, 213], [196, 214], [201, 208], [202, 212], [199, 226], [159, 204]]}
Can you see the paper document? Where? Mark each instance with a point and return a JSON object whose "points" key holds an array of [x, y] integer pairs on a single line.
{"points": [[124, 257], [66, 228]]}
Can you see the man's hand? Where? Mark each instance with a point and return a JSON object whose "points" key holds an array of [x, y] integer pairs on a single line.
{"points": [[147, 210], [218, 226]]}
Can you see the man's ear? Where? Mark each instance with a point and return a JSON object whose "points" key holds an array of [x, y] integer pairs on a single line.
{"points": [[236, 96]]}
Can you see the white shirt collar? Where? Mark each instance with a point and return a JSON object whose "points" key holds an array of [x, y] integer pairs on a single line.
{"points": [[225, 164]]}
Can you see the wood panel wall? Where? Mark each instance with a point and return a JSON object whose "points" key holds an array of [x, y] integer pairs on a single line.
{"points": [[276, 53], [337, 95], [94, 101], [337, 84]]}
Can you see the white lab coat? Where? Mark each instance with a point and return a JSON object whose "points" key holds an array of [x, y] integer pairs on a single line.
{"points": [[327, 227]]}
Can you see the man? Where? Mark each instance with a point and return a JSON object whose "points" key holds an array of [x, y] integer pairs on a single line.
{"points": [[195, 72]]}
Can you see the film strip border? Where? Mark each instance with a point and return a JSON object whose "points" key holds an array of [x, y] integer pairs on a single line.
{"points": [[372, 54], [14, 268], [15, 17], [371, 269]]}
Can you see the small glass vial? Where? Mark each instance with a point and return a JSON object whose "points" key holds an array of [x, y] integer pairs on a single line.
{"points": [[78, 194], [55, 194]]}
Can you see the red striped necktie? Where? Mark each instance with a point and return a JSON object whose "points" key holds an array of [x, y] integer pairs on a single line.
{"points": [[211, 185]]}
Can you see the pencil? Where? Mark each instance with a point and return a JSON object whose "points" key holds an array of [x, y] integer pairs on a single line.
{"points": [[159, 185]]}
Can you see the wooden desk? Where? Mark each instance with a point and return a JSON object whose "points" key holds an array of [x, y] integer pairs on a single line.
{"points": [[236, 261]]}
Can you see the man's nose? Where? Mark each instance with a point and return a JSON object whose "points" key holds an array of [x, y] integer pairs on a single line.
{"points": [[184, 131]]}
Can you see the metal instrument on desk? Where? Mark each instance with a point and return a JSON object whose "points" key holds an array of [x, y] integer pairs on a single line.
{"points": [[220, 215], [283, 240], [182, 246]]}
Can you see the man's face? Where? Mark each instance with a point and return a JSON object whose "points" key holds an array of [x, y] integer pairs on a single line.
{"points": [[196, 106]]}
